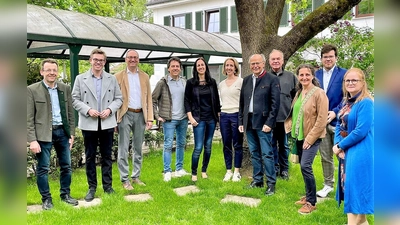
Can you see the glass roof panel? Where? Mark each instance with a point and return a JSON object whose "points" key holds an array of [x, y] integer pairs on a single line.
{"points": [[161, 35], [127, 31], [40, 21], [84, 25]]}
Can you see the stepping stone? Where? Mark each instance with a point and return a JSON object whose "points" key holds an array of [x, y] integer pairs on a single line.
{"points": [[186, 190], [34, 208], [252, 202], [138, 198], [83, 203], [319, 200]]}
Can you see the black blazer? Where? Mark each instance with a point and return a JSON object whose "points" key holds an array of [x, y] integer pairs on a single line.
{"points": [[266, 101], [192, 99]]}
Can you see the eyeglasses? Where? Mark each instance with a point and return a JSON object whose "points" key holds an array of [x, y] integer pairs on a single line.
{"points": [[256, 63], [353, 81], [132, 57], [98, 60], [50, 70], [328, 57]]}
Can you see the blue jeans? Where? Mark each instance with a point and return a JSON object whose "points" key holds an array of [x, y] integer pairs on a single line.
{"points": [[306, 158], [229, 123], [203, 134], [262, 156], [61, 145], [281, 148], [169, 127]]}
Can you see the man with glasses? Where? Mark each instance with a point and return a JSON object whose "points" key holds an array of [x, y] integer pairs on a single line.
{"points": [[331, 80], [258, 109], [135, 115], [97, 97], [50, 122]]}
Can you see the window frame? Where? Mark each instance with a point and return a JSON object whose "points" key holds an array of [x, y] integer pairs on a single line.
{"points": [[359, 15], [207, 20], [183, 17]]}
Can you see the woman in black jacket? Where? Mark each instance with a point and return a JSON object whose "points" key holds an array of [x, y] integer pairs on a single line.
{"points": [[202, 106]]}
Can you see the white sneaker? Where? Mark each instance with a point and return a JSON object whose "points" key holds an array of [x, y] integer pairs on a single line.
{"points": [[228, 176], [236, 177], [324, 192], [180, 173], [167, 176]]}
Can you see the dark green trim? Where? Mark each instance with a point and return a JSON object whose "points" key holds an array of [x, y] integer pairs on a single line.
{"points": [[223, 20], [199, 20], [234, 20]]}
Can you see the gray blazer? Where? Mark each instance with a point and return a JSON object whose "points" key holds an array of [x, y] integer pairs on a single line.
{"points": [[84, 98]]}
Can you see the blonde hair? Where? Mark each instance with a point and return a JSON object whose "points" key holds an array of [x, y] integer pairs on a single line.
{"points": [[235, 62], [364, 90]]}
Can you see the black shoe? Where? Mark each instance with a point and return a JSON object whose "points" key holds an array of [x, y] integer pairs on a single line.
{"points": [[109, 191], [90, 195], [285, 175], [47, 204], [254, 184], [270, 190], [68, 199]]}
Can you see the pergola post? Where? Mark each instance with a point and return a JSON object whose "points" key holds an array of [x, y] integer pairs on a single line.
{"points": [[74, 68]]}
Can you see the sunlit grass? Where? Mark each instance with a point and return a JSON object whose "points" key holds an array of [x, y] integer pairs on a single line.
{"points": [[197, 208]]}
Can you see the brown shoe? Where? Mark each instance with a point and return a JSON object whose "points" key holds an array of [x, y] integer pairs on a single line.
{"points": [[127, 186], [307, 208], [302, 201], [138, 182]]}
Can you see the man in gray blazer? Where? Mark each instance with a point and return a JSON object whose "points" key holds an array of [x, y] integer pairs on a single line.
{"points": [[50, 121], [97, 97]]}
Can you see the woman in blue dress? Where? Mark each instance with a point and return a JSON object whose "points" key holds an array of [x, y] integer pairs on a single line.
{"points": [[354, 138]]}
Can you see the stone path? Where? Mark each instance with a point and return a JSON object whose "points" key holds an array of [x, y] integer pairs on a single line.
{"points": [[252, 202], [138, 198], [182, 191], [186, 190]]}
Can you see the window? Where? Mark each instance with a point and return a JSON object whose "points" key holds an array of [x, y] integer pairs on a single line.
{"points": [[365, 8], [179, 21], [212, 21]]}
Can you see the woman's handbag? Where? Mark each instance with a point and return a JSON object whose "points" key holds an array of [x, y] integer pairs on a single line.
{"points": [[294, 155]]}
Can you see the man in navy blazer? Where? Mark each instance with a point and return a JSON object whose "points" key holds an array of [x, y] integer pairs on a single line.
{"points": [[258, 109], [331, 79]]}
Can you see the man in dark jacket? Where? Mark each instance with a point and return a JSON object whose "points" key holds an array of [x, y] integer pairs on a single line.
{"points": [[168, 107], [258, 109], [287, 81], [50, 121]]}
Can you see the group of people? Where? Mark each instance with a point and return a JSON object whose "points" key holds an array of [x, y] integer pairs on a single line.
{"points": [[330, 110]]}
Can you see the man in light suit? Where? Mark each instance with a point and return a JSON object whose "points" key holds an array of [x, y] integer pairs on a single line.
{"points": [[258, 109], [331, 80], [135, 115], [97, 97], [50, 121]]}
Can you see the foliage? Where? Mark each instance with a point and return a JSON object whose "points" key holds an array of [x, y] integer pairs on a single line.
{"points": [[355, 49], [122, 9], [33, 71], [147, 68]]}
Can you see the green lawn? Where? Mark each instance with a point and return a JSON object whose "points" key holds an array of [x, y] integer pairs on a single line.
{"points": [[198, 208]]}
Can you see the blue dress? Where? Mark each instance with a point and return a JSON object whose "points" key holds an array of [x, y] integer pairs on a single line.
{"points": [[355, 135]]}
